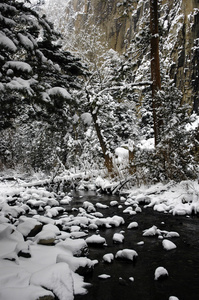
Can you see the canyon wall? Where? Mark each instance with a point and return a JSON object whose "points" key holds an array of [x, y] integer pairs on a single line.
{"points": [[121, 21]]}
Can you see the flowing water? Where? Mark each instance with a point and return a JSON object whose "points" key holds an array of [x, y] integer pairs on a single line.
{"points": [[181, 263]]}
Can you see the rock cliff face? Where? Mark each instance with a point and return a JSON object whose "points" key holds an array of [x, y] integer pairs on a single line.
{"points": [[121, 22]]}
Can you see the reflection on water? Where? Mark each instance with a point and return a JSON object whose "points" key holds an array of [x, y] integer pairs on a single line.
{"points": [[182, 263]]}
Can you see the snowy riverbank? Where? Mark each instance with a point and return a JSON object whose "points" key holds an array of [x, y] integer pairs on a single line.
{"points": [[44, 238]]}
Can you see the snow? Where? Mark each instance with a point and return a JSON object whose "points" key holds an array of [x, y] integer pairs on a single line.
{"points": [[131, 279], [118, 238], [18, 83], [151, 231], [25, 41], [146, 144], [100, 205], [114, 203], [25, 269], [21, 276], [128, 254], [66, 200], [161, 272], [30, 292], [89, 206], [132, 225], [86, 118], [59, 91], [96, 239], [122, 155], [7, 43], [168, 245], [56, 278], [26, 225], [18, 65], [108, 257], [76, 247], [175, 198], [104, 276], [76, 262]]}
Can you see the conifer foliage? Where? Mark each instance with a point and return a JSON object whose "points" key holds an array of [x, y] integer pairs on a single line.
{"points": [[37, 81], [36, 76]]}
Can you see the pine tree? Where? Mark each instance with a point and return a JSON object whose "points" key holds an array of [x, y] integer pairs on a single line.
{"points": [[37, 78]]}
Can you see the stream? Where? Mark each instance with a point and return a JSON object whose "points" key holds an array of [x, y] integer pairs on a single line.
{"points": [[181, 263]]}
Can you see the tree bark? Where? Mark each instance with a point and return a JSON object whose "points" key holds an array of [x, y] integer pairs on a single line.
{"points": [[155, 67], [108, 160]]}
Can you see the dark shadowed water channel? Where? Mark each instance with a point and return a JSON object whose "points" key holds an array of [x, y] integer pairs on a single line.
{"points": [[181, 263]]}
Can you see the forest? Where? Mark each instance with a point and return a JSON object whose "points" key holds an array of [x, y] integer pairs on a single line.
{"points": [[99, 124], [61, 112]]}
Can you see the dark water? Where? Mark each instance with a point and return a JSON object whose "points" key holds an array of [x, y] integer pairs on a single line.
{"points": [[181, 263]]}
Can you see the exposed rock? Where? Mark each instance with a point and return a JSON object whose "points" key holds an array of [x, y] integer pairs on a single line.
{"points": [[161, 273], [80, 265], [120, 22], [46, 298], [77, 247], [23, 249], [45, 237], [29, 227]]}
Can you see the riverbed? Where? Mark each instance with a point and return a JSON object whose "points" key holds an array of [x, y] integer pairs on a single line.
{"points": [[135, 280], [46, 235]]}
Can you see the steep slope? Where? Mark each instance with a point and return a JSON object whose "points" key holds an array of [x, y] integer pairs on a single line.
{"points": [[121, 23]]}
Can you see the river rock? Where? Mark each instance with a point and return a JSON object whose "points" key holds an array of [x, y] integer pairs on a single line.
{"points": [[80, 265], [127, 254], [161, 273], [29, 227], [96, 240], [57, 278], [77, 247], [46, 237]]}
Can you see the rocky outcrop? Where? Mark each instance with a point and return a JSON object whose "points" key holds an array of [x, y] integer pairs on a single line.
{"points": [[121, 22]]}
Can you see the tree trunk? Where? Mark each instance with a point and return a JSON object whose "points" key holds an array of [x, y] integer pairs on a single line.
{"points": [[108, 160], [155, 67]]}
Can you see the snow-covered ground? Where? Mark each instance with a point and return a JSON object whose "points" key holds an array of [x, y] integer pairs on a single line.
{"points": [[43, 247]]}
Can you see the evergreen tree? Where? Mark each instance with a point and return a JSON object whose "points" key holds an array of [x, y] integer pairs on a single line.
{"points": [[37, 78]]}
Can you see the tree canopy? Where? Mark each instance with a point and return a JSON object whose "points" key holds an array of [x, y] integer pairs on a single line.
{"points": [[36, 75]]}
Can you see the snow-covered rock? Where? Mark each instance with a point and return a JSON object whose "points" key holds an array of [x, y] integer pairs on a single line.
{"points": [[129, 210], [23, 249], [29, 226], [118, 238], [77, 247], [126, 254], [57, 278], [96, 239], [104, 276], [114, 203], [161, 272], [89, 206], [46, 237], [151, 231], [76, 263], [100, 205], [131, 279], [108, 257], [66, 200], [132, 225], [168, 245], [171, 234]]}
